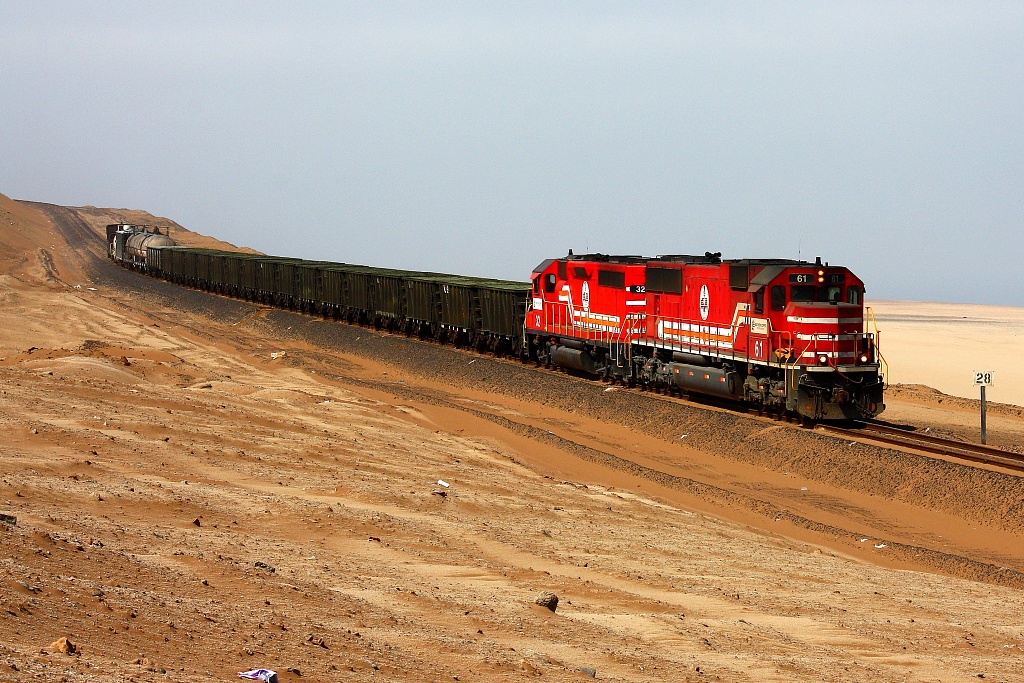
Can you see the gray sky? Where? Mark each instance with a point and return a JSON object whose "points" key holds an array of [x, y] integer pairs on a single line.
{"points": [[481, 138]]}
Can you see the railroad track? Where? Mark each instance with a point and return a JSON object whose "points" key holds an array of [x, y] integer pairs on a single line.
{"points": [[933, 444], [880, 433]]}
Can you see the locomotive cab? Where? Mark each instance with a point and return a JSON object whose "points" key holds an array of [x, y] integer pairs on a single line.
{"points": [[830, 361]]}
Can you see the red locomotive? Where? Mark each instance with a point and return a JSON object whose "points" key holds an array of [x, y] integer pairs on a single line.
{"points": [[786, 336]]}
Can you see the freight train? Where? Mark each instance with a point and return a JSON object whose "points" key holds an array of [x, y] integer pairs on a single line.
{"points": [[784, 336]]}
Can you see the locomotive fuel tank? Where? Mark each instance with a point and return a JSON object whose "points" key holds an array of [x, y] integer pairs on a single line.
{"points": [[706, 380], [690, 358], [575, 359]]}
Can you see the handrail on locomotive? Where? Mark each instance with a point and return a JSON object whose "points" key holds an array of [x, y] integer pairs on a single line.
{"points": [[559, 318]]}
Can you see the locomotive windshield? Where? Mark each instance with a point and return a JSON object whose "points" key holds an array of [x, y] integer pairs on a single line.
{"points": [[810, 293], [803, 293]]}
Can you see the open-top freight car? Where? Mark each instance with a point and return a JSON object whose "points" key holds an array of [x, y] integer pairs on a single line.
{"points": [[476, 312]]}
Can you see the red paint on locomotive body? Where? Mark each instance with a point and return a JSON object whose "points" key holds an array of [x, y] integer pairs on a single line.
{"points": [[772, 327]]}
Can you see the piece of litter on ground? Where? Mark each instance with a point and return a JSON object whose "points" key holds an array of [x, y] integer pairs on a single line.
{"points": [[443, 483], [684, 436], [609, 389], [863, 540], [472, 361], [881, 545], [92, 289], [260, 675], [803, 488]]}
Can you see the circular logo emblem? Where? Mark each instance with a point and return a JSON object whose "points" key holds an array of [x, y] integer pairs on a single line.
{"points": [[586, 295], [705, 302]]}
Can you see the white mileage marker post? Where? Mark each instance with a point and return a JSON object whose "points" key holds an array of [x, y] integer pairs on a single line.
{"points": [[983, 379]]}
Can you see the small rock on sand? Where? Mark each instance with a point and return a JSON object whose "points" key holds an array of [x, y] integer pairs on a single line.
{"points": [[547, 599], [64, 645]]}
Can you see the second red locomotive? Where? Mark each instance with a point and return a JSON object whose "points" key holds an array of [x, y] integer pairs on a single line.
{"points": [[787, 336]]}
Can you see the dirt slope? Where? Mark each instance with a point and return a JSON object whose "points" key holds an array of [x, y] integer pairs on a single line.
{"points": [[202, 486], [98, 219]]}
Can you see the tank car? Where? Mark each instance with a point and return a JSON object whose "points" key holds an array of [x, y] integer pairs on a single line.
{"points": [[784, 336], [127, 243]]}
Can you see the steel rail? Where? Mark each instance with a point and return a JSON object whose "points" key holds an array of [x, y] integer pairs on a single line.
{"points": [[932, 444]]}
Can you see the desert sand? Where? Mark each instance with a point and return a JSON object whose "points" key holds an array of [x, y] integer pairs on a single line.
{"points": [[941, 345], [196, 486]]}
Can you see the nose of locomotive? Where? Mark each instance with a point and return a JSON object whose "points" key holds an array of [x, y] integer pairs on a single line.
{"points": [[827, 332]]}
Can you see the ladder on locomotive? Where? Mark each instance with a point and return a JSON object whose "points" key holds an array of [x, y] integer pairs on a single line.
{"points": [[621, 347]]}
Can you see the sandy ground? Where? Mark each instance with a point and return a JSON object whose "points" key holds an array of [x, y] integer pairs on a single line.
{"points": [[202, 486], [942, 345]]}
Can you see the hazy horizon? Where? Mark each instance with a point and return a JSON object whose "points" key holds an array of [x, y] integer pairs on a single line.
{"points": [[465, 137]]}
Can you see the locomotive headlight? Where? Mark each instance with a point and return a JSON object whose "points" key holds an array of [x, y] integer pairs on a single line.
{"points": [[821, 276], [864, 358], [822, 360]]}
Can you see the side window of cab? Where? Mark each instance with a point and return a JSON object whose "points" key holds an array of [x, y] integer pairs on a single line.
{"points": [[779, 298], [549, 283], [854, 294]]}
